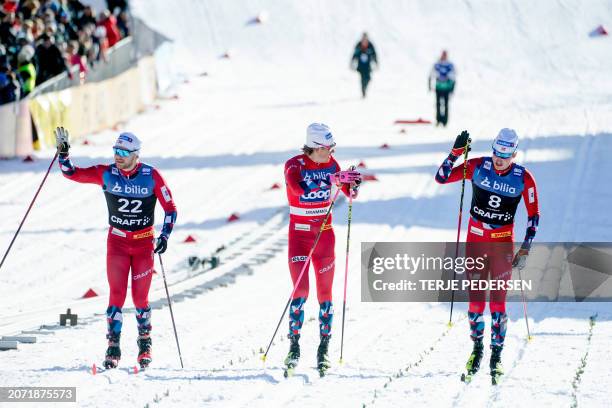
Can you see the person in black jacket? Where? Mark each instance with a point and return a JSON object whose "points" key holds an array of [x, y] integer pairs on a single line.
{"points": [[363, 58], [50, 60], [9, 85]]}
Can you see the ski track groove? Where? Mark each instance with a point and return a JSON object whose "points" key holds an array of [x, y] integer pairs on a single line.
{"points": [[494, 390], [422, 357], [373, 338], [584, 362]]}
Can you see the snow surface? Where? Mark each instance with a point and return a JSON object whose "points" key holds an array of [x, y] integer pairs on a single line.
{"points": [[221, 145]]}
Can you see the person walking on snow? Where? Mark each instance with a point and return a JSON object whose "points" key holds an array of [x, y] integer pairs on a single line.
{"points": [[309, 178], [132, 190], [364, 57], [498, 185], [443, 72]]}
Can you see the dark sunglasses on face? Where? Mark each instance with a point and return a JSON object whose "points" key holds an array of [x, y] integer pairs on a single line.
{"points": [[121, 152], [502, 155]]}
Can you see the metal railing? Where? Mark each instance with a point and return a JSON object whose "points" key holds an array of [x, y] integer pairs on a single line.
{"points": [[119, 58]]}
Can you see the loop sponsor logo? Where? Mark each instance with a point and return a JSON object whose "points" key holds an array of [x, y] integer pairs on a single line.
{"points": [[319, 195]]}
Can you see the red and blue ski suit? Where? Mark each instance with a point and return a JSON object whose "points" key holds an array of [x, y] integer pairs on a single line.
{"points": [[495, 199], [309, 192], [131, 198]]}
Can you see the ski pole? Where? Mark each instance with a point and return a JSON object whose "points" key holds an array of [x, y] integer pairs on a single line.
{"points": [[465, 157], [304, 268], [348, 241], [170, 306], [524, 307], [29, 208]]}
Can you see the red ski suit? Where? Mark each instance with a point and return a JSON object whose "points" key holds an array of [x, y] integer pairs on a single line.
{"points": [[131, 199], [496, 197], [309, 192]]}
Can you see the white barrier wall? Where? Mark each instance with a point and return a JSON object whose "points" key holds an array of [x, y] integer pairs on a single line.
{"points": [[84, 109], [15, 130]]}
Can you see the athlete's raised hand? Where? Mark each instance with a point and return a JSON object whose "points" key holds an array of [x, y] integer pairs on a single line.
{"points": [[461, 142], [62, 141]]}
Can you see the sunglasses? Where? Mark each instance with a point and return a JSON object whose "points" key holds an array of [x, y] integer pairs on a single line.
{"points": [[122, 152], [502, 155]]}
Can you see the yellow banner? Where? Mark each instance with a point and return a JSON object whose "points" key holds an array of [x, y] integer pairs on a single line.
{"points": [[93, 107]]}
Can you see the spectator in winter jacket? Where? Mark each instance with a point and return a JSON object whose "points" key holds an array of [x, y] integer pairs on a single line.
{"points": [[67, 28], [100, 45], [8, 32], [109, 22], [75, 58], [364, 57], [87, 17], [50, 60], [75, 7], [29, 9], [26, 70], [123, 23], [9, 85]]}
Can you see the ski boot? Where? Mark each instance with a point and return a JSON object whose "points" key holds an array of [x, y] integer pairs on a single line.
{"points": [[323, 363], [473, 364], [497, 370], [293, 356], [144, 350], [113, 352]]}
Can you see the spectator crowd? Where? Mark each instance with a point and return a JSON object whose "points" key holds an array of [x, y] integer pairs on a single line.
{"points": [[40, 39]]}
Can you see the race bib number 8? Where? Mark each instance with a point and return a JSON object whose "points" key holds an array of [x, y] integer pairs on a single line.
{"points": [[494, 201]]}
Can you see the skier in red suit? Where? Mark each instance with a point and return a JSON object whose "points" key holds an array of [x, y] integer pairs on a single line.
{"points": [[498, 186], [309, 178], [132, 190]]}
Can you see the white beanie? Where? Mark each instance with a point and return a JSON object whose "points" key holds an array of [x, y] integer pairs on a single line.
{"points": [[505, 143], [319, 135], [128, 141]]}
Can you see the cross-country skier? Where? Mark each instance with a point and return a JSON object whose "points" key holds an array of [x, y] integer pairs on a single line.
{"points": [[498, 185], [309, 178], [443, 72], [364, 56], [132, 190]]}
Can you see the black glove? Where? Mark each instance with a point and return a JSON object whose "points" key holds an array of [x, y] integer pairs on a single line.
{"points": [[161, 244], [62, 140], [462, 140]]}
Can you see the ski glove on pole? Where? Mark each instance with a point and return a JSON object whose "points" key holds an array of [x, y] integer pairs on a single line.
{"points": [[62, 140], [161, 244], [460, 142], [345, 177], [520, 259]]}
